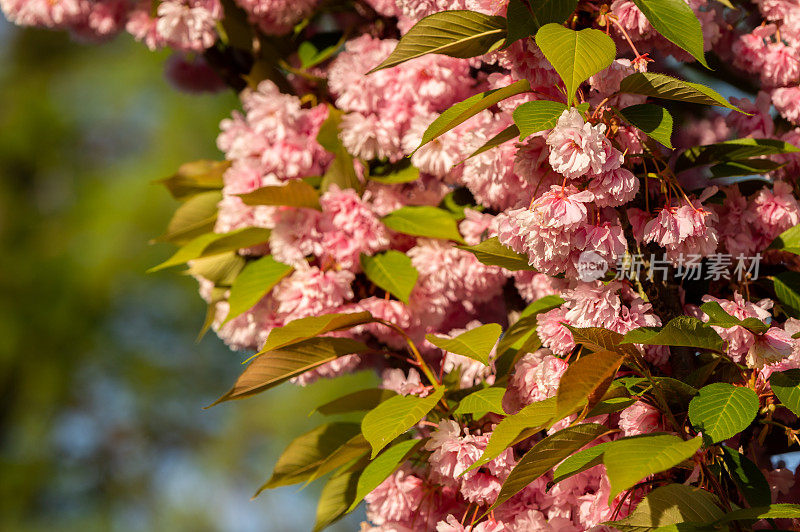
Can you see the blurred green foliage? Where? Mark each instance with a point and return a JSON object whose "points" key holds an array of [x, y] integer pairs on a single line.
{"points": [[101, 383]]}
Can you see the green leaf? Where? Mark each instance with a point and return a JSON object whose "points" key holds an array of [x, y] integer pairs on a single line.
{"points": [[401, 173], [509, 133], [394, 416], [720, 318], [295, 193], [424, 221], [457, 33], [274, 367], [746, 167], [337, 495], [195, 178], [391, 271], [601, 339], [341, 171], [722, 410], [669, 88], [463, 111], [652, 119], [747, 476], [789, 241], [381, 467], [482, 402], [787, 288], [211, 244], [310, 55], [195, 217], [676, 21], [545, 455], [254, 282], [492, 253], [361, 400], [683, 331], [354, 448], [671, 505], [521, 23], [629, 460], [527, 421], [516, 334], [579, 462], [475, 343], [307, 452], [773, 511], [576, 55], [221, 269], [538, 115], [731, 150], [786, 387], [586, 380], [305, 328]]}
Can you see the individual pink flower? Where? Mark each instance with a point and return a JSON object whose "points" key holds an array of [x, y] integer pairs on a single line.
{"points": [[776, 210], [578, 148], [396, 380], [561, 207], [787, 102], [536, 377], [188, 25], [310, 292], [769, 348], [614, 188], [640, 418], [759, 124]]}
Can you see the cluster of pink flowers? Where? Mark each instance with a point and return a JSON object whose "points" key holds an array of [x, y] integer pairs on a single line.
{"points": [[590, 186]]}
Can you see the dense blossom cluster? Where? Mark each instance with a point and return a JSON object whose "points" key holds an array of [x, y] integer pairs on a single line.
{"points": [[590, 184]]}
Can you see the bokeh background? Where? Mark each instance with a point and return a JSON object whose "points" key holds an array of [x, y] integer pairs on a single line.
{"points": [[101, 381]]}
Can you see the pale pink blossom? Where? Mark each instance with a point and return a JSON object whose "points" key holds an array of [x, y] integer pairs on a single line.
{"points": [[640, 418], [578, 148]]}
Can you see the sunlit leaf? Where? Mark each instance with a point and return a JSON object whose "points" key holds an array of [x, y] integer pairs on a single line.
{"points": [[773, 511], [274, 367], [789, 241], [294, 193], [482, 402], [392, 271], [586, 380], [676, 21], [463, 111], [683, 331], [535, 416], [195, 217], [669, 88], [720, 318], [394, 416], [458, 33], [545, 455], [211, 244], [305, 328], [722, 410], [196, 177], [381, 467], [575, 55], [475, 343], [731, 150], [425, 221], [492, 253], [671, 505], [254, 282], [629, 460], [538, 115]]}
